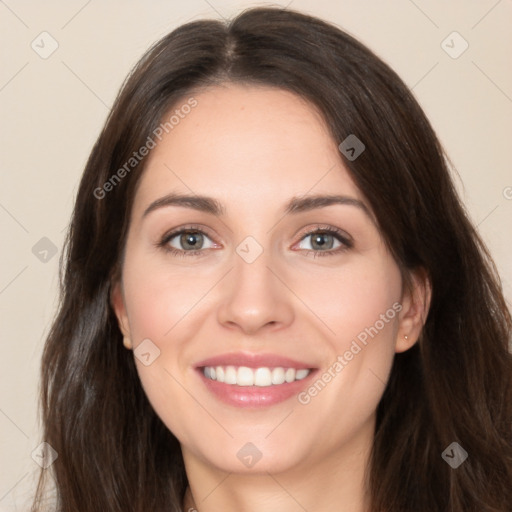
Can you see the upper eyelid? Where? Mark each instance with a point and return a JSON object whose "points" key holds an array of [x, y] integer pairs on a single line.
{"points": [[169, 235], [331, 229]]}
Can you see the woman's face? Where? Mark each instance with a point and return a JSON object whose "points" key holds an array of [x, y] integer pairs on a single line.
{"points": [[250, 296]]}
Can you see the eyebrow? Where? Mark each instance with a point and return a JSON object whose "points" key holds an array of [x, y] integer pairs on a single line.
{"points": [[297, 204]]}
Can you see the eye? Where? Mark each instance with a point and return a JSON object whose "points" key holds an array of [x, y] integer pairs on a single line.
{"points": [[326, 241], [190, 241], [186, 242]]}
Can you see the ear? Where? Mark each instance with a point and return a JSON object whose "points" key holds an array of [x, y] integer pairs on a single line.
{"points": [[415, 302], [118, 304]]}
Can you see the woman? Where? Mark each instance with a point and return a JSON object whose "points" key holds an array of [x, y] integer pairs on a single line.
{"points": [[272, 297]]}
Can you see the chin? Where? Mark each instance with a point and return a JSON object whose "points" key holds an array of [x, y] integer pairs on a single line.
{"points": [[257, 457]]}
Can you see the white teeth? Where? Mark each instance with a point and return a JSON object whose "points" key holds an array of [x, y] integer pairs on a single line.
{"points": [[300, 374], [230, 375], [219, 374], [278, 376], [244, 376], [289, 375], [262, 377]]}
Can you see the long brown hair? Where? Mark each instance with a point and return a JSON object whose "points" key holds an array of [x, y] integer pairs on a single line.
{"points": [[454, 385]]}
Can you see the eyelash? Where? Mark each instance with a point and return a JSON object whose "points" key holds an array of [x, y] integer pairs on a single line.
{"points": [[327, 230]]}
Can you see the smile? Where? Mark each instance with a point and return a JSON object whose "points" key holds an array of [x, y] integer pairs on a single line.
{"points": [[254, 380], [261, 377]]}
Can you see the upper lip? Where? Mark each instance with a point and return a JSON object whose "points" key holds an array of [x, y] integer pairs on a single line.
{"points": [[252, 360]]}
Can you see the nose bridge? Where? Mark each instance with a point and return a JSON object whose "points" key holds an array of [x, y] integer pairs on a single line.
{"points": [[255, 297]]}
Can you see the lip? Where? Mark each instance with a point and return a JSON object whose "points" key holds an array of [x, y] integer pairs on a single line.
{"points": [[253, 361], [254, 396]]}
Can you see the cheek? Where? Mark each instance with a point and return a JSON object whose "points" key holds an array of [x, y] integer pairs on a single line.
{"points": [[163, 305], [159, 304], [359, 300], [360, 305], [157, 298]]}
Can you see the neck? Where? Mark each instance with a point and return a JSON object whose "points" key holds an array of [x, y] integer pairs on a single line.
{"points": [[333, 482]]}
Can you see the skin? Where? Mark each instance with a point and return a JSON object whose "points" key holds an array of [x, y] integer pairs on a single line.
{"points": [[253, 148]]}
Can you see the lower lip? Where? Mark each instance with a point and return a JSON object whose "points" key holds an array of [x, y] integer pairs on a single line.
{"points": [[254, 396]]}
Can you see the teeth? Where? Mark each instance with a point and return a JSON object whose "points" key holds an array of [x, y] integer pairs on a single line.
{"points": [[301, 374], [229, 375], [278, 376], [244, 376], [262, 377]]}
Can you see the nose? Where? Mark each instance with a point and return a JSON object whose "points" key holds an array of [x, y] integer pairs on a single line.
{"points": [[255, 297]]}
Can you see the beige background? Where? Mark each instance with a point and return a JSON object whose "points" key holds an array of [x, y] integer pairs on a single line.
{"points": [[52, 109]]}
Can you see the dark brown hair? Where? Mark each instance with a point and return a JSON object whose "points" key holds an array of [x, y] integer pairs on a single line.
{"points": [[115, 454]]}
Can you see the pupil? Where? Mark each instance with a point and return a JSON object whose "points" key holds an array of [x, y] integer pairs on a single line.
{"points": [[319, 240], [190, 239]]}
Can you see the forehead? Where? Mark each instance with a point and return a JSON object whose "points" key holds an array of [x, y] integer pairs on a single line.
{"points": [[245, 143]]}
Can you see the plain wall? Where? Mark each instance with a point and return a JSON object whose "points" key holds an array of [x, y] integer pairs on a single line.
{"points": [[52, 110]]}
